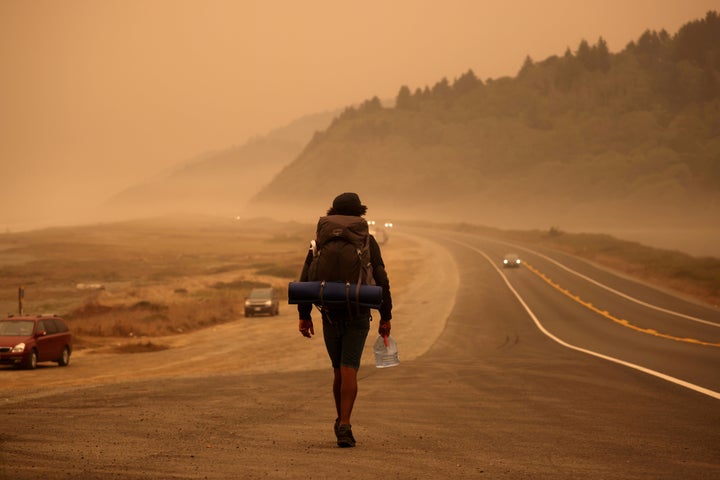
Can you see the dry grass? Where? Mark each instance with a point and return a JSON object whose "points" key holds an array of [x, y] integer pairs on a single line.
{"points": [[140, 347], [158, 277]]}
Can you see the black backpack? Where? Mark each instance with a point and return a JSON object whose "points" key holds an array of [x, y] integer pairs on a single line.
{"points": [[342, 251]]}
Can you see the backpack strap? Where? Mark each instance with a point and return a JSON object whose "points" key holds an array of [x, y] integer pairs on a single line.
{"points": [[347, 298], [357, 286]]}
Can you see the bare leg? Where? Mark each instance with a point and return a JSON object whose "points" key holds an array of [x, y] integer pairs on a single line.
{"points": [[348, 393], [336, 389]]}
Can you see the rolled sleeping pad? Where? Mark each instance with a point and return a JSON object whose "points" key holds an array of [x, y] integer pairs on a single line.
{"points": [[329, 293]]}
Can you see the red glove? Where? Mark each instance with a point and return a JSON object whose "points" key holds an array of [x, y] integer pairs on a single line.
{"points": [[384, 328]]}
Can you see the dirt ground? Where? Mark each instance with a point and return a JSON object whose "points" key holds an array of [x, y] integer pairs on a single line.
{"points": [[247, 373]]}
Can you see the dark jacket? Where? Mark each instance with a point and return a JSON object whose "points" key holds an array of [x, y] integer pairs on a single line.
{"points": [[379, 274]]}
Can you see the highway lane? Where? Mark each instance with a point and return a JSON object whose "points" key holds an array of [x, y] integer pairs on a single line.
{"points": [[536, 409], [593, 309]]}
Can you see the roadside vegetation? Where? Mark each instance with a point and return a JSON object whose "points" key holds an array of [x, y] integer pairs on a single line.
{"points": [[147, 278]]}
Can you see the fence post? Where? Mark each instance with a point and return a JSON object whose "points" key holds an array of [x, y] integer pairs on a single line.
{"points": [[21, 295]]}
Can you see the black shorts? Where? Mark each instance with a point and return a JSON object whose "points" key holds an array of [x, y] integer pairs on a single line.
{"points": [[345, 336]]}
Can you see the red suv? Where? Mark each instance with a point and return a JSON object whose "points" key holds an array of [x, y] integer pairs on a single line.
{"points": [[27, 340]]}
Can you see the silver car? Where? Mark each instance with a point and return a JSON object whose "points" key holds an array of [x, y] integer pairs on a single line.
{"points": [[262, 300], [511, 260]]}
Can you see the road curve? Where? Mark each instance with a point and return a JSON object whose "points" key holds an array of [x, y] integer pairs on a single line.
{"points": [[491, 397], [610, 317]]}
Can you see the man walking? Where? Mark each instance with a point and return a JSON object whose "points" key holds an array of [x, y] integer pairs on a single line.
{"points": [[345, 327]]}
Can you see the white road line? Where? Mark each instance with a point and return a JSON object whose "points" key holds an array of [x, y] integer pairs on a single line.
{"points": [[677, 381], [617, 292]]}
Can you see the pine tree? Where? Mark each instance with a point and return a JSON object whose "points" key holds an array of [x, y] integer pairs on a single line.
{"points": [[526, 66], [467, 82], [404, 98], [602, 56]]}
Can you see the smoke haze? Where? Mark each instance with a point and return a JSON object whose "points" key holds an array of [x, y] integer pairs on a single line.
{"points": [[98, 96]]}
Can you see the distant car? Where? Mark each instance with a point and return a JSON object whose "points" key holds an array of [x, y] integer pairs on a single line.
{"points": [[27, 340], [511, 260], [380, 232], [262, 300]]}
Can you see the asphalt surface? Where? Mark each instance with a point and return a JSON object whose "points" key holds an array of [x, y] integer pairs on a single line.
{"points": [[491, 396]]}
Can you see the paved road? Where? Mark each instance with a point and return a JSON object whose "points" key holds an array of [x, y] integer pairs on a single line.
{"points": [[602, 313], [492, 397]]}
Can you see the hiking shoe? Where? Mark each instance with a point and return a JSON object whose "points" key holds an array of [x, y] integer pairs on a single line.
{"points": [[345, 437]]}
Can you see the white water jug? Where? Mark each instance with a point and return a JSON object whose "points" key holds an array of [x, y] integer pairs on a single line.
{"points": [[386, 352]]}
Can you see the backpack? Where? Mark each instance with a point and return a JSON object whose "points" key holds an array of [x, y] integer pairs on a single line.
{"points": [[343, 251]]}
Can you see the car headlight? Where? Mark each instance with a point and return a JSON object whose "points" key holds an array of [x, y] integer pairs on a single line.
{"points": [[247, 303], [505, 261], [19, 348], [517, 261], [268, 303]]}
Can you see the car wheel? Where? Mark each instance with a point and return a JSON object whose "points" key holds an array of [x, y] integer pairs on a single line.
{"points": [[31, 362], [64, 360]]}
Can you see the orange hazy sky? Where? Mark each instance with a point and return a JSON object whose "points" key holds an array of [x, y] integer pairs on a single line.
{"points": [[96, 95]]}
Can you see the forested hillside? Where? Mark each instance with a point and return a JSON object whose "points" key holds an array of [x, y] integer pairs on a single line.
{"points": [[587, 137]]}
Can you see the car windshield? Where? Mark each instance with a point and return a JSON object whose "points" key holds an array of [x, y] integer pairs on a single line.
{"points": [[256, 294], [16, 328]]}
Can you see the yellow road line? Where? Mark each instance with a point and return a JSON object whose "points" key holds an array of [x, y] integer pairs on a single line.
{"points": [[619, 321]]}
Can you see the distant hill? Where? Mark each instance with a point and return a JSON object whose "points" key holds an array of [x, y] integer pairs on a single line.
{"points": [[588, 137], [219, 183]]}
